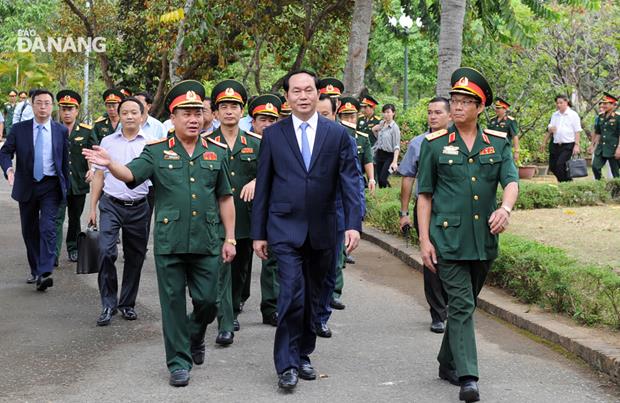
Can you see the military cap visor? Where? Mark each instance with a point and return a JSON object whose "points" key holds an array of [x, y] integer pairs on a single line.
{"points": [[68, 98], [349, 105], [468, 81], [268, 105], [285, 108], [500, 103], [185, 94], [229, 91], [607, 97], [369, 101], [331, 86], [113, 96]]}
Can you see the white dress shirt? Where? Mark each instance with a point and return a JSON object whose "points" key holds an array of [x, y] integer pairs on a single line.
{"points": [[310, 130], [23, 111], [567, 124]]}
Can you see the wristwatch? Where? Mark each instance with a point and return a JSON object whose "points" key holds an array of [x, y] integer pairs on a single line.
{"points": [[374, 182], [403, 213], [232, 242], [508, 209]]}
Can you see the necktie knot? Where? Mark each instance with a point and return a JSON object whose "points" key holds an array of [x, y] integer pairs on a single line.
{"points": [[304, 126]]}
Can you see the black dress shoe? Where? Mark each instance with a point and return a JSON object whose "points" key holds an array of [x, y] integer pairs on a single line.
{"points": [[288, 379], [180, 377], [106, 316], [449, 375], [322, 330], [56, 262], [271, 319], [128, 313], [349, 259], [307, 371], [43, 283], [337, 304], [225, 338], [73, 256], [469, 391], [236, 326], [32, 279], [438, 327], [198, 352]]}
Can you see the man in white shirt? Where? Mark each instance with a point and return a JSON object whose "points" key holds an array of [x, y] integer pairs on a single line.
{"points": [[23, 109], [153, 129], [565, 127]]}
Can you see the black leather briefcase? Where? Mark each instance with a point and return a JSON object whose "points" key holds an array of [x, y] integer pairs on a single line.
{"points": [[88, 251], [576, 167]]}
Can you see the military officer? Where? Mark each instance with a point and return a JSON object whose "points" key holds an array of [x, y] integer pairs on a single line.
{"points": [[368, 119], [229, 98], [194, 223], [606, 134], [331, 87], [505, 123], [7, 111], [108, 123], [285, 109], [80, 136], [459, 221]]}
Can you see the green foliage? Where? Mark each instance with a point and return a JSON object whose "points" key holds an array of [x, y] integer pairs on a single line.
{"points": [[568, 194], [413, 121]]}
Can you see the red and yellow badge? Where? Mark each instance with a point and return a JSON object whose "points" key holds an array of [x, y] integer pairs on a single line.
{"points": [[209, 156], [247, 150], [244, 141], [171, 142], [488, 150]]}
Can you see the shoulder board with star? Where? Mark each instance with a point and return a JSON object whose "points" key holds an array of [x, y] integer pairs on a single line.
{"points": [[100, 119], [150, 143], [349, 125], [435, 135], [86, 126], [255, 135], [496, 133], [361, 134], [510, 118], [217, 143]]}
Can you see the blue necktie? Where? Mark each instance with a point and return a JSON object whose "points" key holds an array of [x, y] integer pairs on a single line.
{"points": [[38, 154], [305, 145]]}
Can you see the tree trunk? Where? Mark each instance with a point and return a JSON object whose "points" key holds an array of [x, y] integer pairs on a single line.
{"points": [[179, 49], [358, 47], [450, 42]]}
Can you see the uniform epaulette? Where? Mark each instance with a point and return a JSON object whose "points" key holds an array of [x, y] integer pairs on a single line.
{"points": [[150, 143], [435, 135], [510, 117], [217, 143], [496, 133], [361, 133], [349, 125], [86, 126], [377, 117], [100, 119], [255, 135], [171, 130]]}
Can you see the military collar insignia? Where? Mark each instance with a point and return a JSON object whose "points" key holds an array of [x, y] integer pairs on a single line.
{"points": [[451, 150], [209, 156], [485, 138], [171, 142], [452, 138], [204, 142], [218, 138], [244, 141], [487, 150]]}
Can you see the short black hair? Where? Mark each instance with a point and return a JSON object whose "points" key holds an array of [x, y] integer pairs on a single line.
{"points": [[132, 99], [565, 98], [445, 101], [22, 92], [148, 98], [285, 83], [41, 91], [31, 93], [388, 106], [15, 91], [208, 99], [332, 100]]}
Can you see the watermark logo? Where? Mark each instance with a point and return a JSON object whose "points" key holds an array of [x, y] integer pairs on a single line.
{"points": [[29, 41]]}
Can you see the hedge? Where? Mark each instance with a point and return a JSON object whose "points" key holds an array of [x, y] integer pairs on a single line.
{"points": [[531, 271]]}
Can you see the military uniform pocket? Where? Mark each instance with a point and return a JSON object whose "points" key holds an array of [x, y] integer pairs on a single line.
{"points": [[214, 232], [171, 171], [447, 232], [210, 171], [490, 166], [165, 224], [451, 166]]}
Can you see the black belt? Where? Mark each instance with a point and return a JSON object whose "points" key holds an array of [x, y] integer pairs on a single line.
{"points": [[563, 144], [126, 203]]}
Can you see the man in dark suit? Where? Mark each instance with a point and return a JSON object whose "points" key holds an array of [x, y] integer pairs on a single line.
{"points": [[304, 160], [40, 182]]}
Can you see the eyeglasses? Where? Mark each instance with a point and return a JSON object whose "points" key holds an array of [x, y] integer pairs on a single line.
{"points": [[463, 102], [40, 103]]}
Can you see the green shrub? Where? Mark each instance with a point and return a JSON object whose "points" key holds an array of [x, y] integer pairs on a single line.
{"points": [[569, 194]]}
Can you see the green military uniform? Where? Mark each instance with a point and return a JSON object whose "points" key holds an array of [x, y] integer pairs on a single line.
{"points": [[607, 126], [365, 123], [104, 125], [463, 186], [80, 137], [7, 113], [188, 233], [507, 125]]}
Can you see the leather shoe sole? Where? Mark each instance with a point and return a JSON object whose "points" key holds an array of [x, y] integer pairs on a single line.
{"points": [[307, 372], [225, 338], [179, 378], [44, 283], [449, 375]]}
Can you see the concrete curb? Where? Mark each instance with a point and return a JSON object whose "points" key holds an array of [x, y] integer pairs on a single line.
{"points": [[599, 349]]}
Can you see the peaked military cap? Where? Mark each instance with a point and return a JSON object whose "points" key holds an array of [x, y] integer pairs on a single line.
{"points": [[113, 96], [466, 80], [285, 108], [185, 94], [126, 92], [369, 101], [607, 97], [349, 105], [331, 86], [500, 103], [229, 91], [68, 98], [267, 104]]}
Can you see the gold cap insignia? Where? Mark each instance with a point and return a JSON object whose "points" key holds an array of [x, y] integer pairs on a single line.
{"points": [[269, 106], [230, 92], [66, 98], [463, 82], [348, 105], [190, 95], [329, 87]]}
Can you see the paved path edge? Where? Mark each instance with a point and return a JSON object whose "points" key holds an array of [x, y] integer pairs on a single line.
{"points": [[599, 354]]}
